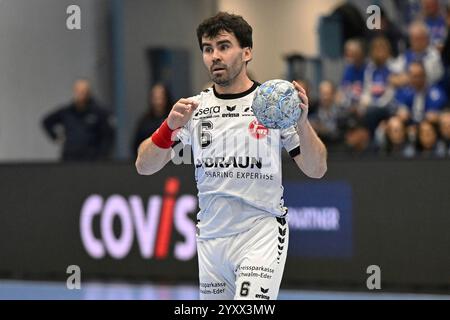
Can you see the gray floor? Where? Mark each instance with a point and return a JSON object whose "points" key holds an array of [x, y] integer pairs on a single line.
{"points": [[24, 290]]}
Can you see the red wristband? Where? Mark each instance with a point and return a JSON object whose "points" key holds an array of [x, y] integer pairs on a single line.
{"points": [[163, 136]]}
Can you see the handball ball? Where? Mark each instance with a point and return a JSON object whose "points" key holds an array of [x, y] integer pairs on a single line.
{"points": [[276, 104]]}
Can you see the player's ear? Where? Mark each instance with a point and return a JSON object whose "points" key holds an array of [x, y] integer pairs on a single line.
{"points": [[248, 55]]}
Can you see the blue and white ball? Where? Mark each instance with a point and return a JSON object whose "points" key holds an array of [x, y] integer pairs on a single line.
{"points": [[276, 104]]}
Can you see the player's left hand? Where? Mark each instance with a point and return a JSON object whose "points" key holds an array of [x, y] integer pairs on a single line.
{"points": [[303, 104]]}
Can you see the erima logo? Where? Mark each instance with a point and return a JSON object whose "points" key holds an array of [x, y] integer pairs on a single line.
{"points": [[207, 111], [263, 296], [225, 162], [230, 115], [281, 234]]}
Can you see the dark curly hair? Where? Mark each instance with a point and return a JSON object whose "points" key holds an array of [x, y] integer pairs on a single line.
{"points": [[224, 21]]}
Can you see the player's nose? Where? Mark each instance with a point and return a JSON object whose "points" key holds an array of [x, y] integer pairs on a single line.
{"points": [[216, 55]]}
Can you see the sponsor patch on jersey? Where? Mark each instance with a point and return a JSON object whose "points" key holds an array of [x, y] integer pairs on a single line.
{"points": [[257, 130]]}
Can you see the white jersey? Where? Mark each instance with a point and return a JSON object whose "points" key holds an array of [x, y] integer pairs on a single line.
{"points": [[237, 163]]}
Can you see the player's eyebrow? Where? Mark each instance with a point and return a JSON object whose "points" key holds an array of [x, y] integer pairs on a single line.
{"points": [[205, 44], [223, 42]]}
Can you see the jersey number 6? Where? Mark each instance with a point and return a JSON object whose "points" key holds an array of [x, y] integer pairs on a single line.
{"points": [[205, 135], [244, 288]]}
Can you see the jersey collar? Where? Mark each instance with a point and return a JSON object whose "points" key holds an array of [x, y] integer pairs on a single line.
{"points": [[228, 96]]}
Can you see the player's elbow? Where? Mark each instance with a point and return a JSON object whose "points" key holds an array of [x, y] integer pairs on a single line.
{"points": [[320, 171], [322, 167], [317, 172], [143, 169]]}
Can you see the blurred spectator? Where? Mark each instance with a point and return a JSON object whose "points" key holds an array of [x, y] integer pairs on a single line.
{"points": [[313, 103], [435, 22], [445, 54], [159, 106], [426, 146], [352, 81], [419, 51], [443, 148], [446, 47], [378, 94], [396, 142], [325, 120], [83, 127], [391, 32], [408, 11], [357, 138], [419, 101]]}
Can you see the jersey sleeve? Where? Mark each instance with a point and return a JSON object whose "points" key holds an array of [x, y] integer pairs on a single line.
{"points": [[291, 141], [184, 134]]}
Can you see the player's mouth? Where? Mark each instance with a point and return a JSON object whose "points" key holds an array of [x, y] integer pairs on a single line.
{"points": [[217, 69]]}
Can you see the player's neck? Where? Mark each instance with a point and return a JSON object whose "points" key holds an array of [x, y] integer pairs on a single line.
{"points": [[241, 84]]}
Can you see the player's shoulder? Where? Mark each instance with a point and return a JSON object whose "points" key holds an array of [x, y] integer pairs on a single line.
{"points": [[197, 98], [207, 90], [203, 95], [204, 92]]}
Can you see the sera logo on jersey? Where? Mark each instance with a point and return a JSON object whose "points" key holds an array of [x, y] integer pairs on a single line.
{"points": [[208, 112], [257, 130]]}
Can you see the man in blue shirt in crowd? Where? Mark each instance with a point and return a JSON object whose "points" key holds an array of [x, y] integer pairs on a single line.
{"points": [[83, 127], [418, 101], [353, 77], [420, 50], [435, 22]]}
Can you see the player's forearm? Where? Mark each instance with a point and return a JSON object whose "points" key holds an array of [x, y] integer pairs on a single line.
{"points": [[313, 158], [151, 158]]}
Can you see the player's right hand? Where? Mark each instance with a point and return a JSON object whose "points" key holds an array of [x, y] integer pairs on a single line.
{"points": [[181, 113]]}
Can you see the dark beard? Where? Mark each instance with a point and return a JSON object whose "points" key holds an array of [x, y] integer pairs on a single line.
{"points": [[221, 82], [225, 82]]}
